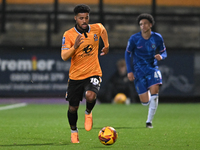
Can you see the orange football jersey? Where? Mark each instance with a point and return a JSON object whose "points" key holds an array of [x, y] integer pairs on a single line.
{"points": [[84, 62]]}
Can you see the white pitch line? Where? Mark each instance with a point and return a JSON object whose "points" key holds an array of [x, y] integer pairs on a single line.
{"points": [[13, 106]]}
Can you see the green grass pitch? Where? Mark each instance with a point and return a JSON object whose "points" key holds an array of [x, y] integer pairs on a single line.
{"points": [[45, 127]]}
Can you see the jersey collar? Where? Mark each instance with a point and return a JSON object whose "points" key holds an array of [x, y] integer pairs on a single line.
{"points": [[84, 31]]}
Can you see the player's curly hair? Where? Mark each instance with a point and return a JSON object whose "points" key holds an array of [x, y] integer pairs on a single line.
{"points": [[81, 8], [145, 16]]}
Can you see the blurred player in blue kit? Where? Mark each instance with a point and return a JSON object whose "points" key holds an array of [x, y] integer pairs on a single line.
{"points": [[141, 61]]}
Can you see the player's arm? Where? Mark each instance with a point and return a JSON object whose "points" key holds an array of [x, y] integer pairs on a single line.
{"points": [[130, 74], [161, 56], [104, 36], [68, 52], [163, 53], [129, 47], [162, 50]]}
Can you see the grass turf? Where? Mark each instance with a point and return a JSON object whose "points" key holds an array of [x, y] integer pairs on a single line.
{"points": [[45, 127]]}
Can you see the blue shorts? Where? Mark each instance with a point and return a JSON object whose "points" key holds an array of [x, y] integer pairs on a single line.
{"points": [[143, 84]]}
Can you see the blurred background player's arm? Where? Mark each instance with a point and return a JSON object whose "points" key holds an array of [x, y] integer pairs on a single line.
{"points": [[130, 74]]}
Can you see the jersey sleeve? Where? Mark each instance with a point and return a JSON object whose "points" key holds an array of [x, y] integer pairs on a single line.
{"points": [[128, 61], [131, 45], [103, 34], [66, 42], [129, 50], [162, 48], [101, 27]]}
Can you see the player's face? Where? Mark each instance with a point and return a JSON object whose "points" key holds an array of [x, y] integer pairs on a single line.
{"points": [[82, 20], [145, 25]]}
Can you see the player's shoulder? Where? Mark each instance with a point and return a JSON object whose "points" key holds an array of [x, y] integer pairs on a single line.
{"points": [[136, 36], [156, 34], [70, 31], [96, 25]]}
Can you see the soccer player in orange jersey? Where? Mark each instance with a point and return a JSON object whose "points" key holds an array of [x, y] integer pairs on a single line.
{"points": [[81, 44]]}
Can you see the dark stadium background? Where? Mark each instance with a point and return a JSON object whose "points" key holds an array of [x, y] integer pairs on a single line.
{"points": [[31, 33]]}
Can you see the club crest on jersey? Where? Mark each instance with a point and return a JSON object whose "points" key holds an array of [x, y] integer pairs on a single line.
{"points": [[88, 49], [153, 46], [95, 37]]}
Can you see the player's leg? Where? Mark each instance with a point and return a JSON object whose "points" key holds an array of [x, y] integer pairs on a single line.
{"points": [[72, 119], [154, 83], [92, 86], [142, 90], [90, 101], [145, 96], [154, 89], [74, 96], [152, 101]]}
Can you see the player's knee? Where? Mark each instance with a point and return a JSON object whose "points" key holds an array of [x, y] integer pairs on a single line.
{"points": [[145, 103], [90, 96], [73, 109]]}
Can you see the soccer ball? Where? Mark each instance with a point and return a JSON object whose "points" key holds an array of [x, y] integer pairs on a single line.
{"points": [[120, 98], [107, 135]]}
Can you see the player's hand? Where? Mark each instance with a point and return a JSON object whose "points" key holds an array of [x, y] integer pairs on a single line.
{"points": [[78, 41], [130, 76], [158, 57], [104, 51]]}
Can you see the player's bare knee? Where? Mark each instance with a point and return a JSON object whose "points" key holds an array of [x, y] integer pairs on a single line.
{"points": [[144, 102], [90, 96]]}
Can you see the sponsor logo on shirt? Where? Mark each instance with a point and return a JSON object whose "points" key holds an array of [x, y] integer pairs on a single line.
{"points": [[88, 49], [139, 47]]}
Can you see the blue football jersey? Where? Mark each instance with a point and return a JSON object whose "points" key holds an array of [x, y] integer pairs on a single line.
{"points": [[143, 51]]}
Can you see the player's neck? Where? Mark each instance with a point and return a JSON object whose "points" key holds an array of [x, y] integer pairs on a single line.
{"points": [[81, 30], [146, 35]]}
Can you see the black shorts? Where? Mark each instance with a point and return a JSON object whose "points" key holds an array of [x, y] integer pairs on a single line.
{"points": [[76, 89]]}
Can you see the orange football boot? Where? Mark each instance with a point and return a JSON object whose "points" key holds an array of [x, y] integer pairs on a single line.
{"points": [[74, 137], [88, 122]]}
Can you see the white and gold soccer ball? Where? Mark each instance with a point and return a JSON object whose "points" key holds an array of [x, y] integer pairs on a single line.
{"points": [[107, 135]]}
